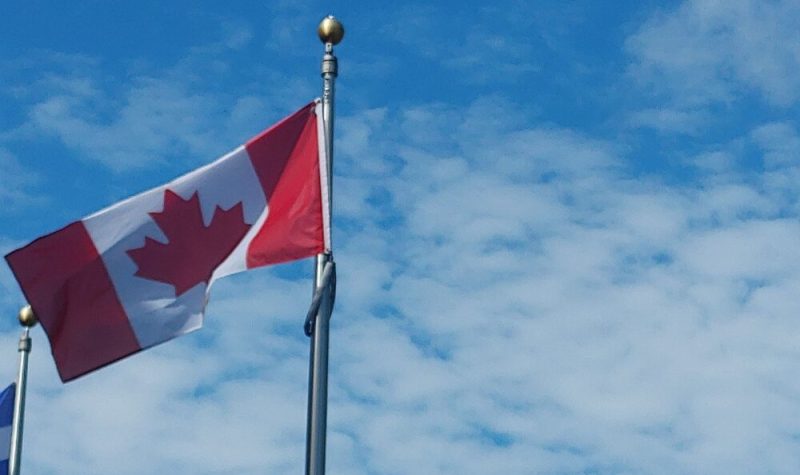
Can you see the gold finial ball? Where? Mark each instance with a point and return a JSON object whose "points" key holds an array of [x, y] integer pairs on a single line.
{"points": [[330, 30], [26, 317]]}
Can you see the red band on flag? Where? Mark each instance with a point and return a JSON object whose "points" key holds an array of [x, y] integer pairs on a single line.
{"points": [[71, 293], [286, 161]]}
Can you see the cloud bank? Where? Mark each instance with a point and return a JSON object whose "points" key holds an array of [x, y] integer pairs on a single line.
{"points": [[516, 294]]}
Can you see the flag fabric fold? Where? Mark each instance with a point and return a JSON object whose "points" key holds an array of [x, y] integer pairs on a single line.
{"points": [[138, 273], [6, 419]]}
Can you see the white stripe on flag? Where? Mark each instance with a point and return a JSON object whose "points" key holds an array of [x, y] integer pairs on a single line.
{"points": [[154, 312]]}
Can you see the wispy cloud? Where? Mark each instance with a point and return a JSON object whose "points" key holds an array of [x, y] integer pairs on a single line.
{"points": [[706, 51], [670, 120], [552, 305], [150, 115], [781, 144], [471, 45], [159, 118], [533, 307], [18, 188]]}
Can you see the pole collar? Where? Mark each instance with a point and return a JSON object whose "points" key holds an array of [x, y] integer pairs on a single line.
{"points": [[329, 65], [25, 343]]}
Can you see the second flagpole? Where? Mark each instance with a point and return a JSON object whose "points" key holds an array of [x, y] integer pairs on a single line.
{"points": [[27, 319], [331, 33]]}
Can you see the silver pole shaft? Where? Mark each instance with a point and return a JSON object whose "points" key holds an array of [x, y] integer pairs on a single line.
{"points": [[318, 383], [15, 454], [317, 420]]}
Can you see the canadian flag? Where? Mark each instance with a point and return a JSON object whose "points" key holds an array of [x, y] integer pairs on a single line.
{"points": [[138, 273]]}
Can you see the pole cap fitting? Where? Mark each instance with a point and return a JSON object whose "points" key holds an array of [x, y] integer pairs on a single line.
{"points": [[26, 317], [330, 30]]}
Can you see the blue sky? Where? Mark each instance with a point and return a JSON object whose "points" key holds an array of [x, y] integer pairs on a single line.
{"points": [[567, 233]]}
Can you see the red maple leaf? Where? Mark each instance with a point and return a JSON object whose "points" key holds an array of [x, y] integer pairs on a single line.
{"points": [[192, 250]]}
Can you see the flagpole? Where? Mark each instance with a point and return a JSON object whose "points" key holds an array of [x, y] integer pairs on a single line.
{"points": [[27, 319], [330, 33]]}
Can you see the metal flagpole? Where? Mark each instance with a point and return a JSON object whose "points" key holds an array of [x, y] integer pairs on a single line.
{"points": [[331, 33], [27, 319]]}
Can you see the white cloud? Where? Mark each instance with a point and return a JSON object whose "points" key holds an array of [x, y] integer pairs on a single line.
{"points": [[561, 316], [152, 115], [522, 305], [11, 299], [710, 51], [670, 120], [781, 144], [159, 118], [18, 188]]}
